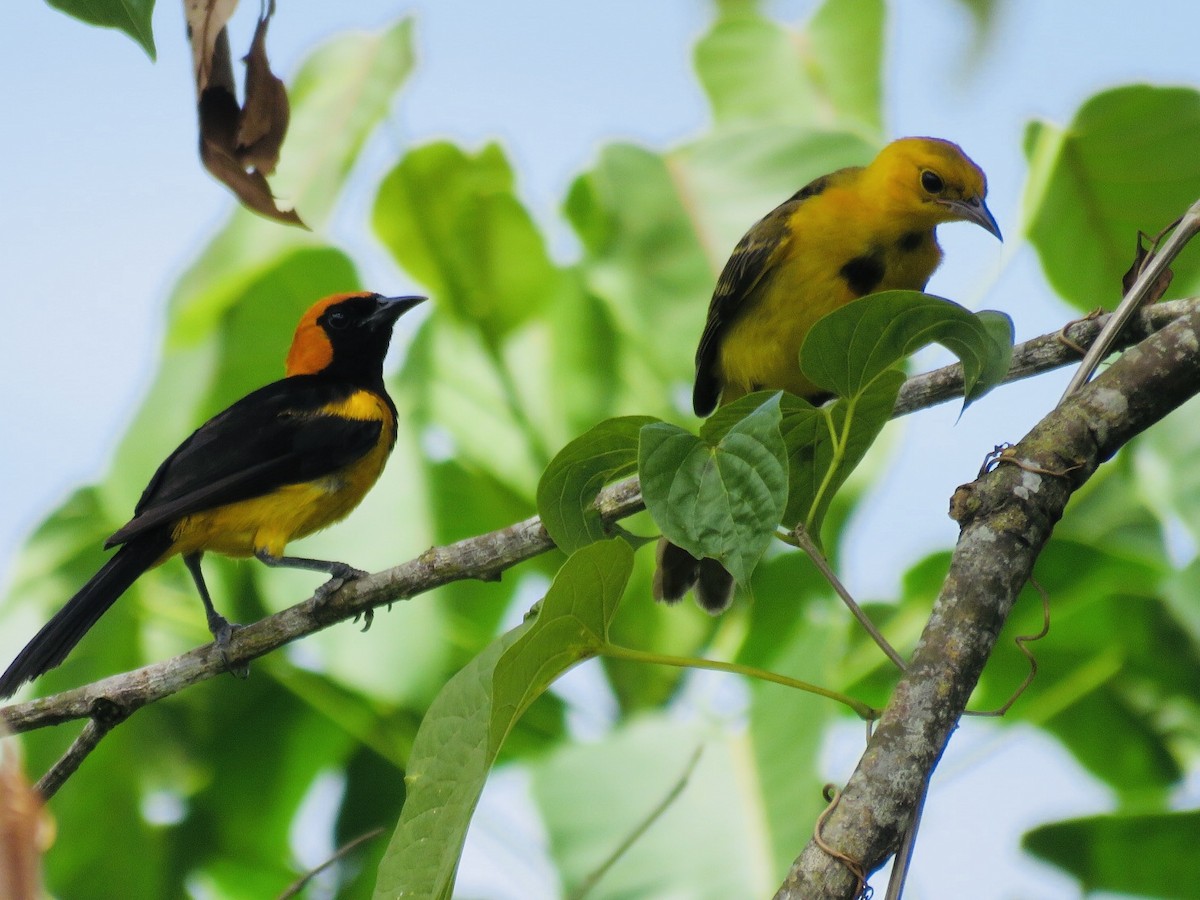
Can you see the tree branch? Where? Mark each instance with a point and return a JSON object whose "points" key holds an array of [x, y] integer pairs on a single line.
{"points": [[1006, 517], [486, 557]]}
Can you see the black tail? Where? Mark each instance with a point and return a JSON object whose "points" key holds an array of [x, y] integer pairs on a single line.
{"points": [[51, 645]]}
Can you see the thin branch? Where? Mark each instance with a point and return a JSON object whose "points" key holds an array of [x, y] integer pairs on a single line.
{"points": [[85, 742], [1146, 281], [484, 557], [1006, 516], [298, 885], [1041, 354], [585, 886], [895, 888]]}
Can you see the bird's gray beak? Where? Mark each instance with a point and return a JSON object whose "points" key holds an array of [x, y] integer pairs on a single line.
{"points": [[974, 210], [390, 309]]}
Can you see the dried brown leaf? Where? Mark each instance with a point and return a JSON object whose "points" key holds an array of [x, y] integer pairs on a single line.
{"points": [[265, 113], [1141, 258], [205, 23], [240, 146], [26, 830]]}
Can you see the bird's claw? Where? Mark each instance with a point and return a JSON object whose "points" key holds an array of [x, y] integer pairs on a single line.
{"points": [[368, 617], [340, 573], [222, 632]]}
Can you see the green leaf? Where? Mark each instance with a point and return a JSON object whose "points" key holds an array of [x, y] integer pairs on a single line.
{"points": [[1140, 765], [997, 361], [730, 179], [823, 444], [466, 724], [755, 70], [130, 16], [1127, 162], [848, 348], [750, 69], [704, 846], [643, 258], [1151, 855], [718, 498], [845, 50], [454, 222], [567, 491], [1164, 464], [785, 754]]}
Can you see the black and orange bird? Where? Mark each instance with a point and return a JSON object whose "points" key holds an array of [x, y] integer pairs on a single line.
{"points": [[847, 234], [281, 463]]}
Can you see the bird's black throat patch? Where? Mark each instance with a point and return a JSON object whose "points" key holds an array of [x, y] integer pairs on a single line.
{"points": [[863, 273]]}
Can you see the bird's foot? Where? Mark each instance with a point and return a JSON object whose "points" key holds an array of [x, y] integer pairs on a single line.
{"points": [[222, 632], [340, 573]]}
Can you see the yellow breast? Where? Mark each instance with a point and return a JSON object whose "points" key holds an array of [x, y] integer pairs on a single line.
{"points": [[811, 275]]}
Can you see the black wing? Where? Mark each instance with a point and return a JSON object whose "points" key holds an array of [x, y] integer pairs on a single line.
{"points": [[274, 436], [744, 274]]}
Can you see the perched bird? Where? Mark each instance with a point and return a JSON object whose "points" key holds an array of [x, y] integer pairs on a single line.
{"points": [[282, 462], [847, 234]]}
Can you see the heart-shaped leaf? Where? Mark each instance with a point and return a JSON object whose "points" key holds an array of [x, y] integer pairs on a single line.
{"points": [[720, 499], [567, 491]]}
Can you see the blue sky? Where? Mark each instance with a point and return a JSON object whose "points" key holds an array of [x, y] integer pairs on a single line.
{"points": [[105, 203]]}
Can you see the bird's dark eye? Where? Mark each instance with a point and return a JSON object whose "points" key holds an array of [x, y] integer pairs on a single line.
{"points": [[338, 319], [932, 182]]}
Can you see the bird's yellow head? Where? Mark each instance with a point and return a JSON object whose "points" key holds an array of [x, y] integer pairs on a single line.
{"points": [[931, 181]]}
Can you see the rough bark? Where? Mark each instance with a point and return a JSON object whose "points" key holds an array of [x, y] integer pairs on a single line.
{"points": [[1006, 517]]}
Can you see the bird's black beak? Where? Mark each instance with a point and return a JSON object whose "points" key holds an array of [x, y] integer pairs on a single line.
{"points": [[390, 309], [974, 210]]}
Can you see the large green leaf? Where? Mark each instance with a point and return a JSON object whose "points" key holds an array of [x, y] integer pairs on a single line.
{"points": [[756, 70], [845, 60], [787, 728], [1164, 465], [643, 258], [729, 180], [454, 222], [1147, 855], [468, 721], [722, 497], [848, 348], [130, 16], [567, 491], [1126, 163], [594, 795]]}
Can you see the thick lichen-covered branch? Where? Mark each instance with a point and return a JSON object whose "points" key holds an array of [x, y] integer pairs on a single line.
{"points": [[1006, 517]]}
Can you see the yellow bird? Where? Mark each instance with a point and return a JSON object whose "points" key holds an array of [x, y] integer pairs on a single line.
{"points": [[845, 235]]}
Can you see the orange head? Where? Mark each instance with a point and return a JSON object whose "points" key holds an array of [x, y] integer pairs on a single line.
{"points": [[928, 181], [346, 334]]}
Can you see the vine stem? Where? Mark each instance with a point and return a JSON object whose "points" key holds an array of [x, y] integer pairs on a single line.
{"points": [[805, 542], [839, 453], [615, 651]]}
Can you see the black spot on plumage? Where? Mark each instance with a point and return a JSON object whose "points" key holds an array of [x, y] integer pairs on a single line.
{"points": [[911, 241], [863, 273]]}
